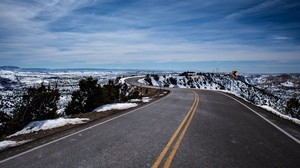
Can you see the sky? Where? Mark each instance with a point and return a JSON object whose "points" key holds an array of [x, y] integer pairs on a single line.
{"points": [[251, 36]]}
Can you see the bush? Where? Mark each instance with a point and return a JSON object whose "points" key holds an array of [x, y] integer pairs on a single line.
{"points": [[86, 99], [76, 105], [37, 104], [111, 93], [155, 77], [91, 95], [4, 119], [186, 74], [173, 81], [148, 79], [293, 108], [134, 95]]}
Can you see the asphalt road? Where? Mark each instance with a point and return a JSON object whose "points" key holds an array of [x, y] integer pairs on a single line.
{"points": [[188, 128]]}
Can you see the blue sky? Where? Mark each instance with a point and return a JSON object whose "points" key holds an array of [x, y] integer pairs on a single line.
{"points": [[251, 36]]}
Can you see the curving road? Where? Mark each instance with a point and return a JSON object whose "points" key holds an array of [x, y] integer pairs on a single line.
{"points": [[187, 128]]}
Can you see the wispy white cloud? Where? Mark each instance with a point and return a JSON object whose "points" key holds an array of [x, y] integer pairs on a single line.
{"points": [[255, 9], [281, 38], [99, 32]]}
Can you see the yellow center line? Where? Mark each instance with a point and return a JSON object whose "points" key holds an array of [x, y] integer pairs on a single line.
{"points": [[188, 117], [172, 154]]}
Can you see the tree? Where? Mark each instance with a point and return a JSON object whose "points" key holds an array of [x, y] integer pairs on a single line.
{"points": [[91, 95], [37, 104], [293, 108], [155, 77], [4, 119], [173, 81], [87, 98], [76, 105], [111, 92], [148, 79]]}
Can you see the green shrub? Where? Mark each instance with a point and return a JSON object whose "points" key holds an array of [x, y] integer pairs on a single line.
{"points": [[37, 104], [4, 119], [86, 99], [155, 77], [293, 108], [91, 95], [173, 81]]}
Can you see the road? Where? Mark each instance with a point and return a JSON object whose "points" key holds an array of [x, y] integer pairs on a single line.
{"points": [[187, 128]]}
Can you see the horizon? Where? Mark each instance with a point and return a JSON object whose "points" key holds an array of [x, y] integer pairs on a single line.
{"points": [[215, 71], [251, 36]]}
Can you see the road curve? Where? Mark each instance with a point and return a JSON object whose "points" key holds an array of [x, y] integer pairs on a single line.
{"points": [[209, 129]]}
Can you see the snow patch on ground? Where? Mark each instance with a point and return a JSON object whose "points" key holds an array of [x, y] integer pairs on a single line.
{"points": [[154, 82], [49, 124], [288, 84], [135, 100], [115, 106], [142, 81], [122, 80], [144, 100], [268, 108], [7, 144]]}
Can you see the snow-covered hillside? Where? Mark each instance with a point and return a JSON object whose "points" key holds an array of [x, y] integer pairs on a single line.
{"points": [[262, 90], [14, 82]]}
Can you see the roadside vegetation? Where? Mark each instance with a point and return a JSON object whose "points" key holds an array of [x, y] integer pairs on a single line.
{"points": [[92, 95], [40, 103], [293, 108]]}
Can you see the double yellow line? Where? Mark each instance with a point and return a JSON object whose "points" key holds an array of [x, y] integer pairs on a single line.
{"points": [[180, 130]]}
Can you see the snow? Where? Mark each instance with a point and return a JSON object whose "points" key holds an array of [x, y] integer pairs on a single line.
{"points": [[144, 100], [142, 81], [13, 83], [154, 82], [49, 124], [115, 106], [288, 84], [122, 80], [134, 100], [258, 89], [7, 143], [268, 108]]}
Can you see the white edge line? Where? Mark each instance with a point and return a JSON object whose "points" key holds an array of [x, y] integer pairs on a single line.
{"points": [[274, 125], [64, 137]]}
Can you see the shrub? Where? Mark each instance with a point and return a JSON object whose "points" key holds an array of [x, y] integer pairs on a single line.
{"points": [[173, 81], [37, 104], [91, 95], [134, 95], [155, 77], [86, 99], [293, 108], [111, 93], [148, 79], [4, 119]]}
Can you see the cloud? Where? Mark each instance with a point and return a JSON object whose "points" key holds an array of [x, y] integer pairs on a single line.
{"points": [[43, 33], [281, 38]]}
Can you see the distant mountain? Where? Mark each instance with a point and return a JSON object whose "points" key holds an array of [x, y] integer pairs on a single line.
{"points": [[9, 67]]}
